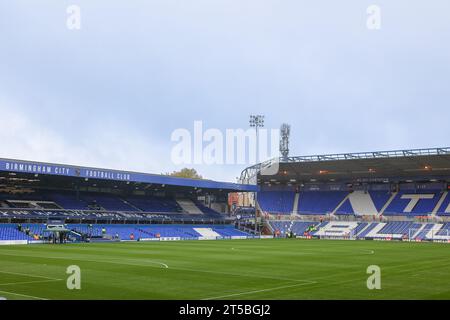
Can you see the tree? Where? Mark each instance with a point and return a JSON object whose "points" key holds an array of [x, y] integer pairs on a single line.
{"points": [[186, 173]]}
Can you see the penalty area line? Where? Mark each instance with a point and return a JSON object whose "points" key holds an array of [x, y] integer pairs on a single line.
{"points": [[258, 291], [22, 295], [151, 263], [28, 275]]}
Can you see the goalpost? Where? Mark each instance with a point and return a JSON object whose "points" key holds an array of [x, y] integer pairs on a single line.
{"points": [[431, 235], [412, 234], [353, 234]]}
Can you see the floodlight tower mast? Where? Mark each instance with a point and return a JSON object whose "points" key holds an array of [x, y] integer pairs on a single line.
{"points": [[285, 132], [256, 121]]}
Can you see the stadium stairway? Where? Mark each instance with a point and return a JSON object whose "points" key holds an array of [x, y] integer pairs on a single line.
{"points": [[388, 203], [296, 199], [268, 224], [361, 227], [341, 204], [371, 230], [417, 232], [135, 208]]}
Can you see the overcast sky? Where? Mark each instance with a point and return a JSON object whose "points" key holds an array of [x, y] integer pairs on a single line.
{"points": [[110, 94]]}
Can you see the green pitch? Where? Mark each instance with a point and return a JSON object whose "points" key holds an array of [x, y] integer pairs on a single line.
{"points": [[232, 269]]}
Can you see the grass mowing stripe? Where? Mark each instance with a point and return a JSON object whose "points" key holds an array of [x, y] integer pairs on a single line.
{"points": [[28, 282], [329, 269], [176, 268], [97, 261], [28, 275]]}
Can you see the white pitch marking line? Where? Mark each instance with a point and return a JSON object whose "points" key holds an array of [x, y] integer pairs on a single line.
{"points": [[28, 275], [257, 291], [167, 267], [23, 295], [98, 261], [150, 261], [28, 282], [130, 264], [242, 275]]}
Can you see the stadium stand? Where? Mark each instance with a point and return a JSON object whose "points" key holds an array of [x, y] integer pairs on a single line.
{"points": [[10, 232], [380, 199], [444, 208], [424, 231], [298, 228], [407, 203], [155, 204], [320, 202], [380, 195], [400, 227], [69, 201], [276, 201], [445, 229], [361, 226], [395, 230], [364, 203], [359, 203], [106, 202], [126, 231], [366, 230], [282, 227], [206, 210], [337, 229]]}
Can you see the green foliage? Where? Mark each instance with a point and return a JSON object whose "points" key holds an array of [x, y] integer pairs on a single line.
{"points": [[186, 173]]}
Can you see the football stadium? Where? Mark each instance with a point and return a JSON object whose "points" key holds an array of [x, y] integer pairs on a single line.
{"points": [[200, 159], [315, 228]]}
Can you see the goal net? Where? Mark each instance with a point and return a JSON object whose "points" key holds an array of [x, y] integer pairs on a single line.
{"points": [[415, 234]]}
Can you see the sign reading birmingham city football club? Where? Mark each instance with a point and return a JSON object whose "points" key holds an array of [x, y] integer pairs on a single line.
{"points": [[18, 166], [51, 169]]}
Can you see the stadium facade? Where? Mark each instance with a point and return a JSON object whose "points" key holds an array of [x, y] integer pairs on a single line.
{"points": [[391, 195]]}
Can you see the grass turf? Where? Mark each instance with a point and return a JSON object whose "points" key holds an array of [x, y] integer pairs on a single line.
{"points": [[233, 269]]}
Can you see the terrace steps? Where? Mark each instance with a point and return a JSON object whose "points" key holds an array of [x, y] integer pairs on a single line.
{"points": [[296, 199]]}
